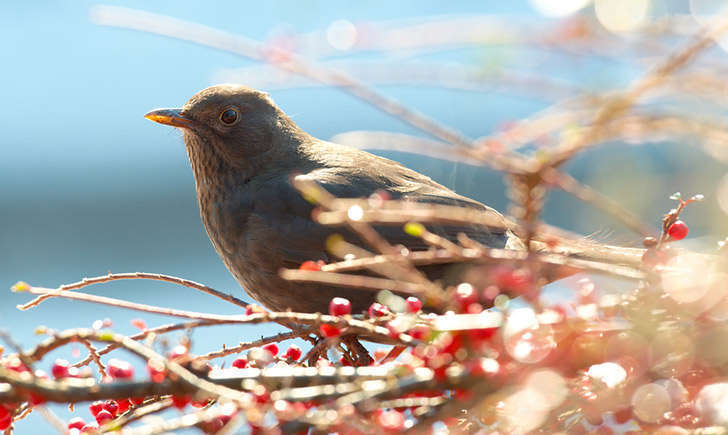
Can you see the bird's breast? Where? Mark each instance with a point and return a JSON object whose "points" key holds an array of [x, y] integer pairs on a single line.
{"points": [[224, 215]]}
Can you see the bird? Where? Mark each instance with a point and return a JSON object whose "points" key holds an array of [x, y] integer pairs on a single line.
{"points": [[243, 150]]}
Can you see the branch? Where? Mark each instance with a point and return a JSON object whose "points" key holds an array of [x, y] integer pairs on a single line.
{"points": [[138, 275], [353, 325]]}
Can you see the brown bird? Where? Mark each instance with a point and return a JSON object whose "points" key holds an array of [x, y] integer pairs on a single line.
{"points": [[243, 150]]}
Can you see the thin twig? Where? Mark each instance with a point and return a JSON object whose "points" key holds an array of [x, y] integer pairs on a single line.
{"points": [[138, 275], [93, 354], [29, 363], [256, 343], [157, 330], [53, 419], [157, 405], [356, 281], [620, 104]]}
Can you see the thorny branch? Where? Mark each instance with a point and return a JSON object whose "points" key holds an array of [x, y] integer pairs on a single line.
{"points": [[138, 275]]}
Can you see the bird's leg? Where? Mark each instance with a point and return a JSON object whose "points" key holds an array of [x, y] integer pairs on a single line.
{"points": [[358, 352], [319, 349]]}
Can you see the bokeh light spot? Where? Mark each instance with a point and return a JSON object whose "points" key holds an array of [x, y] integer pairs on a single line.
{"points": [[525, 339], [558, 8], [711, 13], [712, 404], [621, 16], [522, 418], [650, 402], [341, 34], [609, 373], [550, 385], [355, 213], [681, 282]]}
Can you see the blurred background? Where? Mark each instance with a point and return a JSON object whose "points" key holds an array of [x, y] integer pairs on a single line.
{"points": [[89, 186]]}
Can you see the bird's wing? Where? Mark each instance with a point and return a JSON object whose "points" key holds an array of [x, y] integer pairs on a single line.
{"points": [[353, 173], [301, 239]]}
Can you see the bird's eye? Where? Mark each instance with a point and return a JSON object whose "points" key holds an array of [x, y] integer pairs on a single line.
{"points": [[229, 116]]}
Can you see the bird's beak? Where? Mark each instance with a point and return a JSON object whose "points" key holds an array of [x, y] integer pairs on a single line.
{"points": [[171, 117]]}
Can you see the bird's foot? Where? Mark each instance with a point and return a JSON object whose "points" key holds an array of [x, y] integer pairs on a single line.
{"points": [[358, 354], [319, 349]]}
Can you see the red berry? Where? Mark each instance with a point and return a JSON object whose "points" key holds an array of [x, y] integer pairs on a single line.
{"points": [[483, 334], [139, 324], [623, 415], [344, 361], [120, 369], [35, 398], [6, 422], [90, 427], [74, 372], [414, 305], [378, 310], [16, 365], [514, 280], [253, 309], [462, 394], [76, 423], [293, 353], [214, 425], [96, 407], [391, 421], [450, 343], [339, 307], [103, 416], [397, 326], [474, 308], [200, 403], [484, 367], [156, 370], [124, 405], [329, 330], [60, 369], [465, 295], [112, 406], [227, 413], [272, 348], [240, 362], [420, 332], [180, 402], [309, 265], [489, 294], [323, 362], [178, 352], [261, 395], [380, 353], [678, 230]]}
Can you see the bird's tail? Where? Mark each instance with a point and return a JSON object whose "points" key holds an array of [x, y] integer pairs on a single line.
{"points": [[566, 255]]}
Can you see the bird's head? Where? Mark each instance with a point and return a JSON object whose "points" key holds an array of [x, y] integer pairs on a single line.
{"points": [[230, 124]]}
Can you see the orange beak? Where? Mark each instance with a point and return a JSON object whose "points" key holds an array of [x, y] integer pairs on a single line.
{"points": [[171, 117]]}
